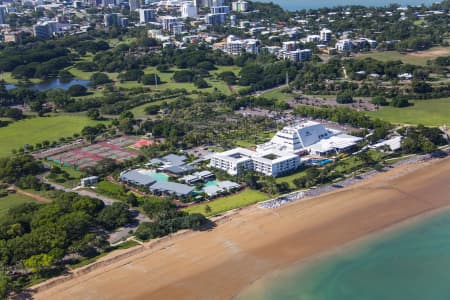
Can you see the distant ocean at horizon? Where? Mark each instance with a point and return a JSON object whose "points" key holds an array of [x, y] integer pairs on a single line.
{"points": [[409, 263], [313, 4]]}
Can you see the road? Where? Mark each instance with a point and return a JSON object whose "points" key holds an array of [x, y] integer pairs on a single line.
{"points": [[113, 236]]}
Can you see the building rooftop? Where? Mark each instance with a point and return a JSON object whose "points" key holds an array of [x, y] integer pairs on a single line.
{"points": [[179, 169], [172, 188], [137, 178]]}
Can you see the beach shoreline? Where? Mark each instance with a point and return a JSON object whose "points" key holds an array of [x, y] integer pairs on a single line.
{"points": [[254, 242], [363, 241]]}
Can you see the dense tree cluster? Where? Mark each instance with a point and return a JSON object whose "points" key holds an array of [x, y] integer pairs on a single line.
{"points": [[14, 168], [42, 237], [342, 115], [166, 219], [421, 139]]}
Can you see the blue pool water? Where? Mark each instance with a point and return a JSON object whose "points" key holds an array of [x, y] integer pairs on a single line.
{"points": [[159, 177], [318, 162], [211, 183]]}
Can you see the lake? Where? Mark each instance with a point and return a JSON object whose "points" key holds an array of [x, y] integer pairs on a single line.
{"points": [[53, 84], [410, 263], [313, 4]]}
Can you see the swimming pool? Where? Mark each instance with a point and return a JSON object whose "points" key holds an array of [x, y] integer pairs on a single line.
{"points": [[211, 183], [319, 162], [159, 177]]}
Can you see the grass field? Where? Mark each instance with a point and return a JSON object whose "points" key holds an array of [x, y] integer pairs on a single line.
{"points": [[36, 130], [166, 78], [278, 94], [112, 190], [10, 201], [139, 111], [427, 112], [227, 203], [418, 58], [7, 77]]}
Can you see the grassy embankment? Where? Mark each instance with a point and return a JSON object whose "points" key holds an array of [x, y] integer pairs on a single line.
{"points": [[227, 203]]}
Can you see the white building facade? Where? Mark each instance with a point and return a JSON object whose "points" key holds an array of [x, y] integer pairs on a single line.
{"points": [[281, 155], [188, 10]]}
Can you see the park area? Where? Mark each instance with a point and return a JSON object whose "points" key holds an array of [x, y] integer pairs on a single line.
{"points": [[36, 130], [415, 58], [434, 112], [227, 203], [90, 155]]}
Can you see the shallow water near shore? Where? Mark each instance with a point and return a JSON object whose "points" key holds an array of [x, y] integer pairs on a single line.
{"points": [[411, 262]]}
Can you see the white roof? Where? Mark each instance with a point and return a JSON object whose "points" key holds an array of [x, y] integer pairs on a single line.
{"points": [[393, 143], [341, 141], [300, 136]]}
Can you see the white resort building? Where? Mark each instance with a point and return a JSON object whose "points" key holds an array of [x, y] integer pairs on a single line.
{"points": [[281, 155]]}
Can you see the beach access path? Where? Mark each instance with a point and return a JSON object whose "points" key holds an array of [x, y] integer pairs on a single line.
{"points": [[253, 242]]}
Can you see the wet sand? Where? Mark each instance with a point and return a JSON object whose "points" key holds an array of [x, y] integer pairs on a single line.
{"points": [[219, 263]]}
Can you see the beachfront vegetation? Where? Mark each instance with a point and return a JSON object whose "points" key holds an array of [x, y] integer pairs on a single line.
{"points": [[166, 219]]}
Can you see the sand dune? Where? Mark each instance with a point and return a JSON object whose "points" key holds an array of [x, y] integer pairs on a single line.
{"points": [[219, 263]]}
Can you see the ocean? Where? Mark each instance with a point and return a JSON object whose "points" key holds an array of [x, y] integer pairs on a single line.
{"points": [[410, 263], [313, 4]]}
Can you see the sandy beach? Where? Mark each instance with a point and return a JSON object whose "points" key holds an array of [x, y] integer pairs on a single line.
{"points": [[218, 263]]}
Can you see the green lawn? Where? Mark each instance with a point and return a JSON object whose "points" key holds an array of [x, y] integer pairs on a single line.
{"points": [[290, 178], [168, 83], [411, 58], [427, 112], [220, 69], [227, 203], [87, 75], [112, 190], [8, 78], [36, 130], [139, 111], [278, 94], [10, 201]]}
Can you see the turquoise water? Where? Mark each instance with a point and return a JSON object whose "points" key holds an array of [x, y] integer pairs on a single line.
{"points": [[211, 183], [208, 183], [410, 264], [159, 177], [313, 4]]}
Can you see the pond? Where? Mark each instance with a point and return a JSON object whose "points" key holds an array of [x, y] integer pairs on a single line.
{"points": [[53, 84]]}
